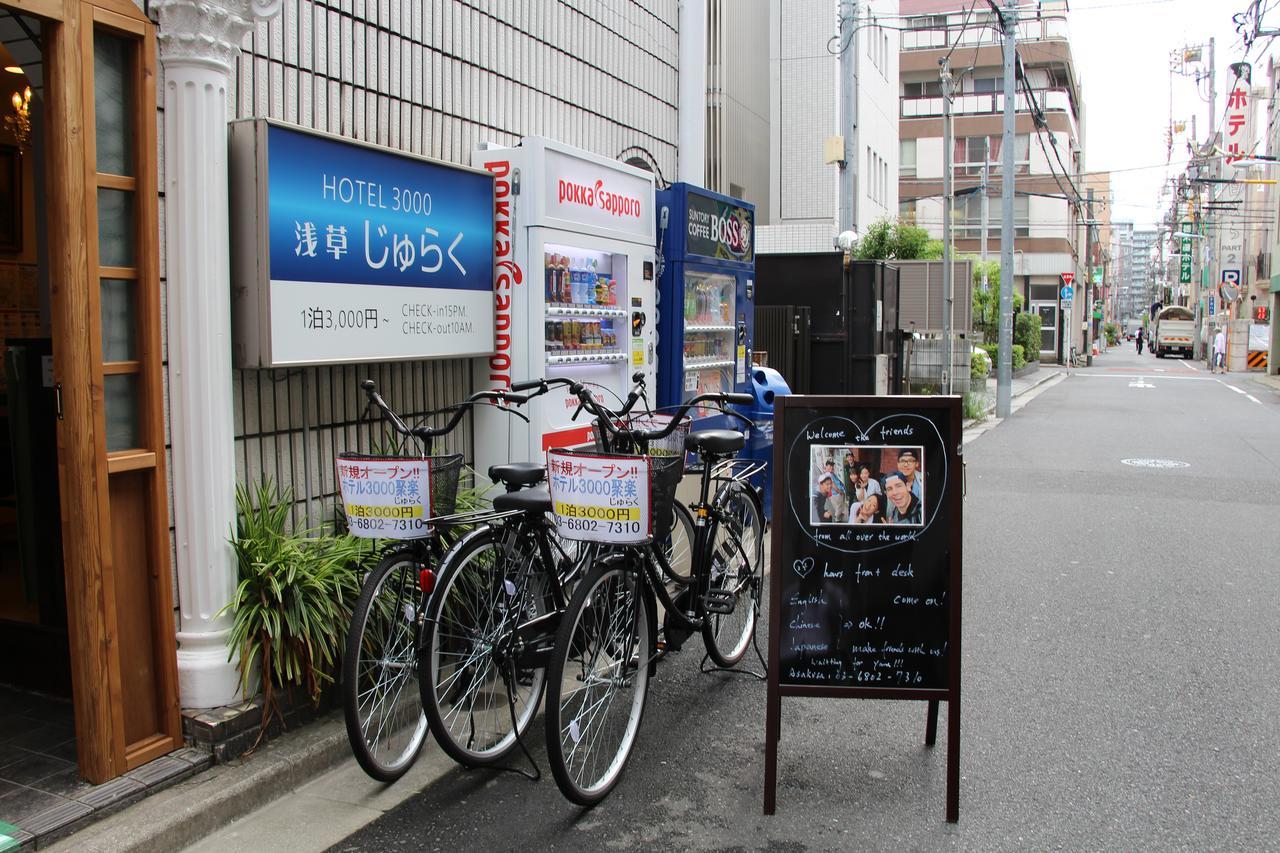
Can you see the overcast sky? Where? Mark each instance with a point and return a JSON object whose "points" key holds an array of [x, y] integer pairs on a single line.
{"points": [[1121, 50]]}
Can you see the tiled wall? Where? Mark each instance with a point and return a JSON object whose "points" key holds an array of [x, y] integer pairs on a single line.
{"points": [[436, 77]]}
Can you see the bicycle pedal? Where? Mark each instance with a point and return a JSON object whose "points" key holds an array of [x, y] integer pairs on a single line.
{"points": [[720, 601]]}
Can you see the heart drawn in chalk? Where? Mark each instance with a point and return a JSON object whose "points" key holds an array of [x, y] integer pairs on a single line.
{"points": [[803, 567]]}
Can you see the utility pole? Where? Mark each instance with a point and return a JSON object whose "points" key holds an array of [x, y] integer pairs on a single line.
{"points": [[1004, 371], [848, 115], [986, 158], [1088, 280], [947, 204], [1213, 94]]}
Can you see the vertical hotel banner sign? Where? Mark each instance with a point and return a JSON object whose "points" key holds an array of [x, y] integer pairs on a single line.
{"points": [[347, 252], [1237, 143], [1185, 250]]}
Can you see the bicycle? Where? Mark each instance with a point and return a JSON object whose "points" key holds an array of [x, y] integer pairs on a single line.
{"points": [[492, 620], [607, 641], [386, 728]]}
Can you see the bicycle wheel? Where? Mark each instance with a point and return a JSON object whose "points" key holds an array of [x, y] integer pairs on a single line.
{"points": [[597, 681], [487, 587], [676, 551], [384, 719], [735, 556]]}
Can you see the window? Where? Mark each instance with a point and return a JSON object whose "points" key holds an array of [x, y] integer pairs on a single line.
{"points": [[966, 217], [928, 22], [969, 150], [922, 89], [907, 158], [907, 212], [984, 85]]}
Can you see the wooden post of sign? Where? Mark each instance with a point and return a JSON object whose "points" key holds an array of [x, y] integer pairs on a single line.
{"points": [[879, 602]]}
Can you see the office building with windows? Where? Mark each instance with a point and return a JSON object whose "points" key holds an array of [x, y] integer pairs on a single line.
{"points": [[1048, 154]]}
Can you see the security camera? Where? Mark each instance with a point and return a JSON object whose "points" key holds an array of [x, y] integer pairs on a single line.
{"points": [[846, 240]]}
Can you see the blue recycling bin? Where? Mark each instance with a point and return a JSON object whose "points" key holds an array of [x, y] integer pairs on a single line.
{"points": [[766, 385]]}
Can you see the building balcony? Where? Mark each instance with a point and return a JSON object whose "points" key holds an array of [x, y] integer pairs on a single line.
{"points": [[991, 103], [923, 36]]}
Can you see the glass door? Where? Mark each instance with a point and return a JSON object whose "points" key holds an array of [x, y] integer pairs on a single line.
{"points": [[709, 312], [1048, 313]]}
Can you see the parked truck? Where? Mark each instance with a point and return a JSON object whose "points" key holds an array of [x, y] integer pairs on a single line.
{"points": [[1174, 331]]}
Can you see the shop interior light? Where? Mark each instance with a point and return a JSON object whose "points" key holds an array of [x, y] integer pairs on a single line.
{"points": [[13, 69]]}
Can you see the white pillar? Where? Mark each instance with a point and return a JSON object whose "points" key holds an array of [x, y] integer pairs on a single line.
{"points": [[692, 151], [199, 41]]}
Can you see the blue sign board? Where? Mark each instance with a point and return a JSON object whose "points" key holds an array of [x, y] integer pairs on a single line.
{"points": [[1067, 293], [1211, 306], [365, 254], [348, 214]]}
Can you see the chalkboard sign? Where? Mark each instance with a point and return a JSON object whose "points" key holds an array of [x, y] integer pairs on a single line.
{"points": [[866, 558]]}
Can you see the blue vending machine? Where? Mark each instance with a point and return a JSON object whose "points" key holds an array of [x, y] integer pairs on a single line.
{"points": [[706, 295]]}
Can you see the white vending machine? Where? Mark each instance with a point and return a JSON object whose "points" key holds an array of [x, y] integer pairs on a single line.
{"points": [[574, 290]]}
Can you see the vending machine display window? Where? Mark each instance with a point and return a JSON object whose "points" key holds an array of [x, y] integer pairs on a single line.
{"points": [[709, 312], [585, 295]]}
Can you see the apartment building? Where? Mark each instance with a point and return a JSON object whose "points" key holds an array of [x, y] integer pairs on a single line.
{"points": [[1142, 280], [1048, 146]]}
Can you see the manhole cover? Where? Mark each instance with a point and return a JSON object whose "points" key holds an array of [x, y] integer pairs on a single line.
{"points": [[1156, 463]]}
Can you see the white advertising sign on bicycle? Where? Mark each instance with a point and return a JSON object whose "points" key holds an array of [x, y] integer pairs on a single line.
{"points": [[386, 498], [598, 498]]}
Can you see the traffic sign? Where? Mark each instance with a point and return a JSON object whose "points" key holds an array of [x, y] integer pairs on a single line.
{"points": [[1068, 278], [1067, 293]]}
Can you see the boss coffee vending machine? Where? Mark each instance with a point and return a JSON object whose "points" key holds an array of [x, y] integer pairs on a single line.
{"points": [[574, 290], [706, 314]]}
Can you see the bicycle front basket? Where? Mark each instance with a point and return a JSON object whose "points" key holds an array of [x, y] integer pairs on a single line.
{"points": [[672, 445], [666, 474], [395, 497]]}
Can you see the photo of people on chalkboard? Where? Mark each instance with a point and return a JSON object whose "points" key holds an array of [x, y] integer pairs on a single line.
{"points": [[866, 485]]}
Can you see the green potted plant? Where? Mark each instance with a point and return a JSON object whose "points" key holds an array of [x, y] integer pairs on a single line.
{"points": [[292, 604]]}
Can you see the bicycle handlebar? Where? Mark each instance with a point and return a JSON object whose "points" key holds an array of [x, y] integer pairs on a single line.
{"points": [[606, 417], [459, 409]]}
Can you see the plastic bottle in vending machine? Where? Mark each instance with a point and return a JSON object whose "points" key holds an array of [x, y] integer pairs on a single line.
{"points": [[548, 276], [562, 279], [613, 292]]}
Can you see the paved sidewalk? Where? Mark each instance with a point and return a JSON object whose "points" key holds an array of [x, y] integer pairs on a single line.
{"points": [[1272, 382]]}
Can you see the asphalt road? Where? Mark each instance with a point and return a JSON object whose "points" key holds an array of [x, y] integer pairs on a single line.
{"points": [[1121, 666]]}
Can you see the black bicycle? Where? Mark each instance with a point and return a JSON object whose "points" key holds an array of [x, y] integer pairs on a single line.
{"points": [[385, 722], [491, 623], [607, 644]]}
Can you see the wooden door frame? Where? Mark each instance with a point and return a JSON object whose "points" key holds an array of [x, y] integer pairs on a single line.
{"points": [[85, 467]]}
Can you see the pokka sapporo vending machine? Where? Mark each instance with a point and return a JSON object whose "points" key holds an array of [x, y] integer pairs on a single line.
{"points": [[705, 295], [574, 291]]}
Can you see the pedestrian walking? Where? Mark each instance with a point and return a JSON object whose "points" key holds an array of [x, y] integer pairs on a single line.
{"points": [[1219, 352], [1140, 340]]}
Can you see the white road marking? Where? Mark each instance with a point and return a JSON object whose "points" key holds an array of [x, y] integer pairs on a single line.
{"points": [[1253, 398], [1141, 383], [1169, 376], [1190, 366], [1232, 387]]}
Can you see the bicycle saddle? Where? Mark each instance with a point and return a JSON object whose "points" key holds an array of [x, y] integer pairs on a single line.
{"points": [[517, 474], [536, 499], [714, 441]]}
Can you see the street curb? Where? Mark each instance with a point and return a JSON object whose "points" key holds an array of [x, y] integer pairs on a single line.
{"points": [[192, 810]]}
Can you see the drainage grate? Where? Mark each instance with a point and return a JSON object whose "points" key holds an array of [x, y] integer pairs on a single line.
{"points": [[1156, 463]]}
